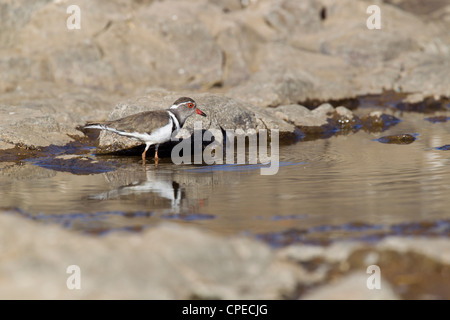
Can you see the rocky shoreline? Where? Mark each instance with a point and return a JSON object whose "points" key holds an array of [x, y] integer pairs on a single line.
{"points": [[301, 67], [258, 53], [174, 262]]}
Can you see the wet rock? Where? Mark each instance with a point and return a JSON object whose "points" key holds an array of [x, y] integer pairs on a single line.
{"points": [[424, 105], [345, 120], [27, 174], [16, 153], [326, 234], [73, 164], [377, 121], [323, 119], [398, 139], [223, 113], [438, 119], [444, 148]]}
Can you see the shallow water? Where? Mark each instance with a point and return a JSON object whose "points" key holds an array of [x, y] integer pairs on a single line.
{"points": [[343, 187]]}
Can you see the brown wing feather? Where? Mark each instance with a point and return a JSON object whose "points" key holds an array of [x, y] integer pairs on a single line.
{"points": [[140, 122]]}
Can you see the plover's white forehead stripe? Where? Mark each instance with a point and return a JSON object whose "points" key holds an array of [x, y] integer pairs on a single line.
{"points": [[175, 106]]}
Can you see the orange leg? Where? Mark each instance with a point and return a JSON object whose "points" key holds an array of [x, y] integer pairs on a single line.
{"points": [[143, 158], [143, 154], [156, 158]]}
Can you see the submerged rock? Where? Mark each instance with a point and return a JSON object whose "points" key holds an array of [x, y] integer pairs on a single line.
{"points": [[321, 120], [444, 148], [425, 105], [377, 121], [438, 119], [326, 120], [398, 139], [72, 163], [345, 120]]}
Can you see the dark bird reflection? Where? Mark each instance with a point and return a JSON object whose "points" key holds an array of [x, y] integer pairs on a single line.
{"points": [[166, 190]]}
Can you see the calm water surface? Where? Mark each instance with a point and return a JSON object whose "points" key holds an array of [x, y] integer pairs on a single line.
{"points": [[346, 186]]}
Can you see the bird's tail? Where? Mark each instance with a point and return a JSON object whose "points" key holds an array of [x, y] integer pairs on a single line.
{"points": [[94, 125], [91, 125]]}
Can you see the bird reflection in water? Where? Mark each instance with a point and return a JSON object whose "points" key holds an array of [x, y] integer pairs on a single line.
{"points": [[154, 188]]}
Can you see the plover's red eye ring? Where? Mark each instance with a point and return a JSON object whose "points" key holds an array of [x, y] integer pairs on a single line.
{"points": [[190, 105]]}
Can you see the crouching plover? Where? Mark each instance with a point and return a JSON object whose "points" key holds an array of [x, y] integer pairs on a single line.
{"points": [[151, 127]]}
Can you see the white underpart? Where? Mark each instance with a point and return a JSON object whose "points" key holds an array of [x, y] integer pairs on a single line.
{"points": [[158, 136]]}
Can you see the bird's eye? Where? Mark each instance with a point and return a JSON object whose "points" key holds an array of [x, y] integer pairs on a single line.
{"points": [[190, 105]]}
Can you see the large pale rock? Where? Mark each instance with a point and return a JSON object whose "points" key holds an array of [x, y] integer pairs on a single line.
{"points": [[439, 250], [223, 113], [293, 76], [167, 262], [116, 48], [340, 57], [303, 117], [166, 45], [407, 268], [27, 127], [427, 74], [268, 52], [352, 287], [323, 119], [33, 116]]}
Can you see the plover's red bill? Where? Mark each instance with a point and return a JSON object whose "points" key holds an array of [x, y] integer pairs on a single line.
{"points": [[151, 127], [200, 112]]}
